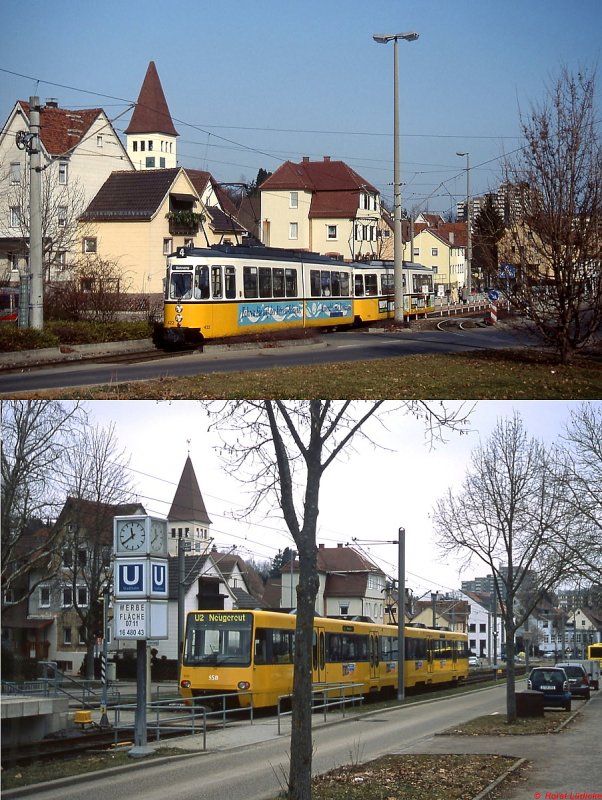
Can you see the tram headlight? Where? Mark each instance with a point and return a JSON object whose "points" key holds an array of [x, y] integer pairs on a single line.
{"points": [[244, 686], [185, 684]]}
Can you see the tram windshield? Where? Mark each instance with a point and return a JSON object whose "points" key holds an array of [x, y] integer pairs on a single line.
{"points": [[180, 286], [218, 639]]}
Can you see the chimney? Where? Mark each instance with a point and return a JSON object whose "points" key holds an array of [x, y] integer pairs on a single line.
{"points": [[305, 159], [52, 102], [451, 237], [320, 547], [339, 545], [326, 158]]}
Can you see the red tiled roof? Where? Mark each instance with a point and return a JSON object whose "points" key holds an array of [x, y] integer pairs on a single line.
{"points": [[317, 176], [61, 129], [343, 559], [151, 114]]}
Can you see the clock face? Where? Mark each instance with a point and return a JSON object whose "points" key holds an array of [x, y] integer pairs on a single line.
{"points": [[158, 537], [131, 536]]}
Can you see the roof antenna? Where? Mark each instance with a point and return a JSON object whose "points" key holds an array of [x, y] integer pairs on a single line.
{"points": [[188, 443]]}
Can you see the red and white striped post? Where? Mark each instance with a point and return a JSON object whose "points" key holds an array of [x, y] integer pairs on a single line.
{"points": [[493, 313]]}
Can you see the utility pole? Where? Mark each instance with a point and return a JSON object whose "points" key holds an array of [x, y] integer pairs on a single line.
{"points": [[36, 287], [401, 615]]}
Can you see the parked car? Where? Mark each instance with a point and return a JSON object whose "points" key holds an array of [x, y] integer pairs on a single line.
{"points": [[578, 678], [553, 683], [474, 661], [592, 667]]}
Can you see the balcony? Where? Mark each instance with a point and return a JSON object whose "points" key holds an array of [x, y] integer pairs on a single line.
{"points": [[184, 222]]}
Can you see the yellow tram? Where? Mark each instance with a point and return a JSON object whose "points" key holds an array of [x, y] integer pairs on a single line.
{"points": [[249, 655], [233, 290]]}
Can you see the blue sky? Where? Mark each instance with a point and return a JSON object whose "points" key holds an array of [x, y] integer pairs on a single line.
{"points": [[252, 84]]}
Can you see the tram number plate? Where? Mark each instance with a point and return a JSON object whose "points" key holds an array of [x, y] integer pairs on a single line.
{"points": [[547, 688], [214, 677]]}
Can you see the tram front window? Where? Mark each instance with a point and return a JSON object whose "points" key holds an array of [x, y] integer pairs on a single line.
{"points": [[218, 643], [180, 286]]}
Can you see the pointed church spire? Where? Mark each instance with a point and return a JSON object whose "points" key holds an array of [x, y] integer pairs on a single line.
{"points": [[188, 520], [151, 135], [188, 504], [151, 114]]}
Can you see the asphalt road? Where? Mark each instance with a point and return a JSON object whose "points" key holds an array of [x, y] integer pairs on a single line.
{"points": [[258, 771], [334, 348]]}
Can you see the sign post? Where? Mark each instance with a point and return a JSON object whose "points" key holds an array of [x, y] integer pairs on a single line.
{"points": [[140, 600]]}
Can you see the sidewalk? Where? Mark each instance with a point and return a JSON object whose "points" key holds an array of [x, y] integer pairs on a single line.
{"points": [[566, 765], [562, 766]]}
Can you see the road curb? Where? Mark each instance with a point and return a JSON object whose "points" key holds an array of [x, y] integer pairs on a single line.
{"points": [[501, 779]]}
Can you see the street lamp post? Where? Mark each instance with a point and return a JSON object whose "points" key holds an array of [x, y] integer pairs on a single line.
{"points": [[468, 229], [385, 38]]}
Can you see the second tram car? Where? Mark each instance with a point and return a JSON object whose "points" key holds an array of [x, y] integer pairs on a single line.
{"points": [[233, 290], [249, 655]]}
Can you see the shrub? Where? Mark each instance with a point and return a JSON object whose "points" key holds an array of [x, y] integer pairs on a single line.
{"points": [[57, 332]]}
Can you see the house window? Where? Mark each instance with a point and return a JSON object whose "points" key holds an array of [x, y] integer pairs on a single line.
{"points": [[416, 251], [61, 259], [99, 140], [82, 596], [167, 246], [150, 161], [293, 230], [44, 596], [15, 172], [331, 231], [67, 639], [150, 145], [142, 146], [162, 163], [434, 252], [89, 244], [81, 635], [67, 597], [482, 627], [67, 559], [62, 216], [343, 609], [15, 217], [63, 173], [293, 200], [135, 146]]}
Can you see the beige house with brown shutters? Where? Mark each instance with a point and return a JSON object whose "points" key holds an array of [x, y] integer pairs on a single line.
{"points": [[324, 207]]}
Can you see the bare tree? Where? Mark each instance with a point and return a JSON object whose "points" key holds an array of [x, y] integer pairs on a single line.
{"points": [[36, 437], [100, 486], [581, 476], [514, 519], [62, 206], [284, 449], [554, 244]]}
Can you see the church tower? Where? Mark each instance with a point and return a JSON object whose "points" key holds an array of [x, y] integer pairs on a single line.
{"points": [[151, 136], [188, 519]]}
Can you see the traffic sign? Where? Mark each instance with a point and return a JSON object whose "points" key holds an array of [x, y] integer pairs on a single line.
{"points": [[140, 619]]}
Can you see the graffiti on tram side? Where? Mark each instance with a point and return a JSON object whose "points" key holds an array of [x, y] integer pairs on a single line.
{"points": [[328, 309], [269, 313]]}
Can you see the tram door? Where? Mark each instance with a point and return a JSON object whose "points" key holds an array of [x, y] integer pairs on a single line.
{"points": [[318, 656], [374, 655]]}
